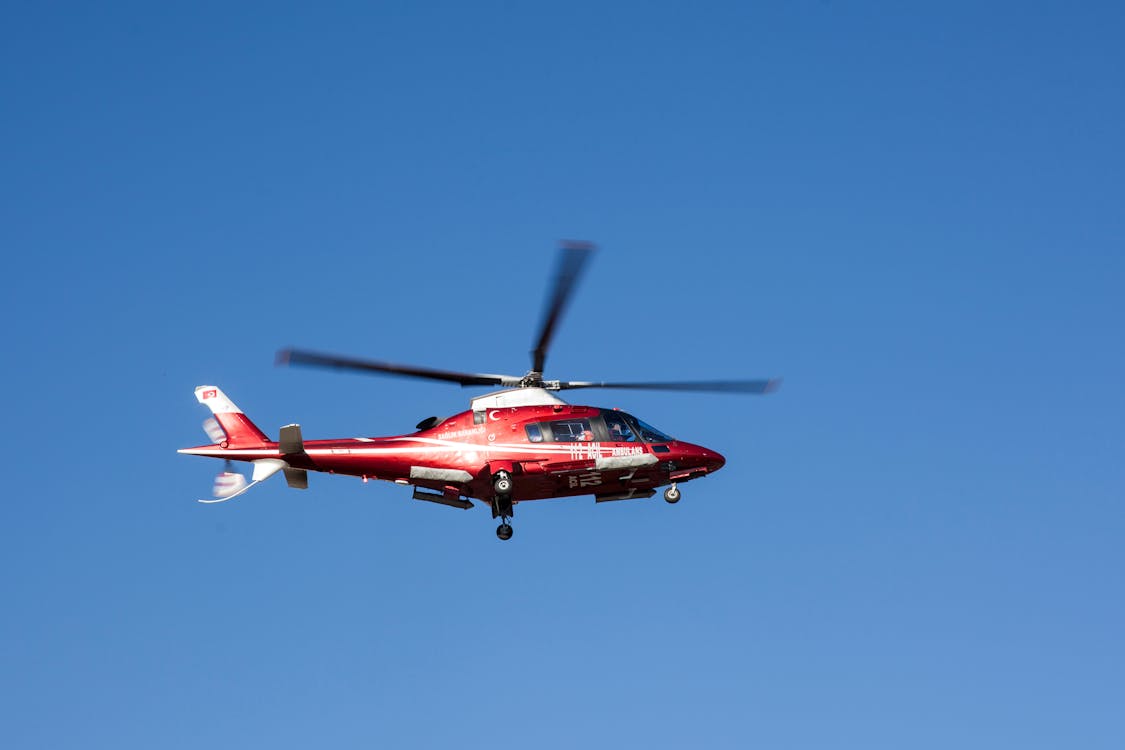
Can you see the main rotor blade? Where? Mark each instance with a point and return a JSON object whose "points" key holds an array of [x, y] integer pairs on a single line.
{"points": [[705, 386], [316, 359], [572, 259]]}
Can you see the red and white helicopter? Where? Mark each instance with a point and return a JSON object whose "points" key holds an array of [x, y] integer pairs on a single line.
{"points": [[517, 444]]}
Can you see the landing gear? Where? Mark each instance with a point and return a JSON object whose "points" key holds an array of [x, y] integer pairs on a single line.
{"points": [[672, 495], [502, 483], [502, 504]]}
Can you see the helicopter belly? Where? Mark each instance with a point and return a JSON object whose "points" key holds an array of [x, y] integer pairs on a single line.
{"points": [[588, 479]]}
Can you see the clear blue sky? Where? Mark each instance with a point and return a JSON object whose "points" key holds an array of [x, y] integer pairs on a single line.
{"points": [[911, 212]]}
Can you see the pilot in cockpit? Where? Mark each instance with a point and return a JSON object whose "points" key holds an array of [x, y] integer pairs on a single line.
{"points": [[619, 432]]}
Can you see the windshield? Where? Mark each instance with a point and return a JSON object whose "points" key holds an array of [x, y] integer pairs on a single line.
{"points": [[635, 428], [650, 434]]}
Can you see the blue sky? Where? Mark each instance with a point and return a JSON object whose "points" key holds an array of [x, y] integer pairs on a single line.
{"points": [[911, 212]]}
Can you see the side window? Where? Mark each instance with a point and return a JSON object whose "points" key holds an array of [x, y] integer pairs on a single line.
{"points": [[534, 434], [619, 430], [572, 431]]}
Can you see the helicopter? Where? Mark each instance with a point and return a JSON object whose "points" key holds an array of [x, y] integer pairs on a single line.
{"points": [[517, 444]]}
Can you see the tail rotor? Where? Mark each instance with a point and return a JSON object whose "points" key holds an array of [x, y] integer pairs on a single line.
{"points": [[228, 483]]}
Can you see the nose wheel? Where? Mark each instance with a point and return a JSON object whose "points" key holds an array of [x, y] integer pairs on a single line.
{"points": [[504, 532], [672, 495]]}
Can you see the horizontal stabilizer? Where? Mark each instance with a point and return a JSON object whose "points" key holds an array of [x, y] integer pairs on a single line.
{"points": [[290, 442], [298, 479]]}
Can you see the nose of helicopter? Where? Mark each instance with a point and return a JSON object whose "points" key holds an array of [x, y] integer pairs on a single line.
{"points": [[713, 460], [701, 457]]}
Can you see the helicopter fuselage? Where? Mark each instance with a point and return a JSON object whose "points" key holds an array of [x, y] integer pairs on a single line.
{"points": [[550, 449]]}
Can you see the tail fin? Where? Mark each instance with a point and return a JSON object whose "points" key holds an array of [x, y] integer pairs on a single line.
{"points": [[240, 431]]}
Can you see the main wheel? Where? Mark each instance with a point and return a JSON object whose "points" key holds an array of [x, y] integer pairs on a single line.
{"points": [[672, 495], [502, 483], [504, 532]]}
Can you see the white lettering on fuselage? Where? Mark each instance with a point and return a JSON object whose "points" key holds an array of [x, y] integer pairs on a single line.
{"points": [[631, 450], [454, 434], [580, 451], [589, 479]]}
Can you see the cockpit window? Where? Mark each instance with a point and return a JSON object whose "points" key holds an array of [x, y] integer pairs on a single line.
{"points": [[534, 434], [652, 435], [572, 431], [618, 427]]}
